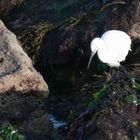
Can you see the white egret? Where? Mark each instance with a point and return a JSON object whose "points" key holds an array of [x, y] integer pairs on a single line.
{"points": [[112, 48]]}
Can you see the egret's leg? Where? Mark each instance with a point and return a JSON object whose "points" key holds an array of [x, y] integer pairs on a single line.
{"points": [[109, 74], [110, 70]]}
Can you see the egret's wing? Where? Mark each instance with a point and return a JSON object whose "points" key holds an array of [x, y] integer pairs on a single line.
{"points": [[115, 64], [117, 38], [118, 44]]}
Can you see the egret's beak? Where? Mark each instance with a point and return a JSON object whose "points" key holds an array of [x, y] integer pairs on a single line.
{"points": [[90, 59]]}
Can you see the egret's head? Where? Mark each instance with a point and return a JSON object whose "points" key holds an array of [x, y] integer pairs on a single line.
{"points": [[96, 43]]}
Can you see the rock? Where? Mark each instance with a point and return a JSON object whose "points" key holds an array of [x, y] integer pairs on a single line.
{"points": [[6, 6], [38, 123], [114, 116], [16, 69], [25, 111], [22, 88], [72, 32], [124, 17]]}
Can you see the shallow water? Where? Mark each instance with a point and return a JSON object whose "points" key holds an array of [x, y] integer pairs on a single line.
{"points": [[56, 123]]}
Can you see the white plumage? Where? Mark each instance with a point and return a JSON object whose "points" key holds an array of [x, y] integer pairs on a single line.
{"points": [[112, 48]]}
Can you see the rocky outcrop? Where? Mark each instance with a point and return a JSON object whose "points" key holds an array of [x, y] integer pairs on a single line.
{"points": [[113, 113], [56, 41], [55, 38], [16, 69], [61, 47], [22, 88]]}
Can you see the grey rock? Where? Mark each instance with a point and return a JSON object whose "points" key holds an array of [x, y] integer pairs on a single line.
{"points": [[16, 69]]}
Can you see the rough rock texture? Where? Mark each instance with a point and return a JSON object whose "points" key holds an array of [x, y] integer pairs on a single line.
{"points": [[22, 88], [38, 122], [113, 113], [125, 17], [16, 69], [25, 111], [7, 5]]}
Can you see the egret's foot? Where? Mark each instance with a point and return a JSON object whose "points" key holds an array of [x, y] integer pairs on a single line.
{"points": [[107, 76], [110, 74]]}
